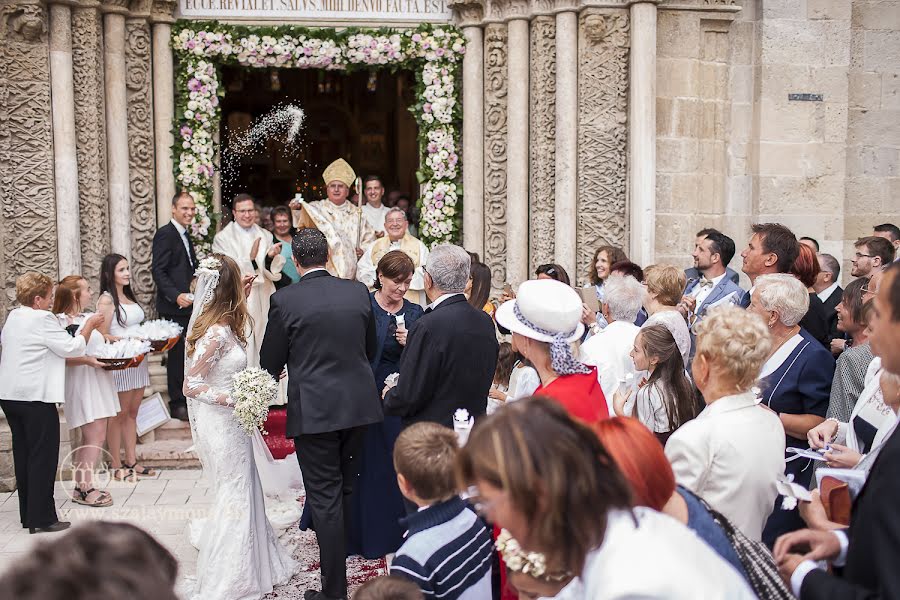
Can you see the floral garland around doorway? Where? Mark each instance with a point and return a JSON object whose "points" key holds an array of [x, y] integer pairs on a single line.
{"points": [[433, 52]]}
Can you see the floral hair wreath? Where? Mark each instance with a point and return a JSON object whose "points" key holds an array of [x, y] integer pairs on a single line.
{"points": [[533, 564]]}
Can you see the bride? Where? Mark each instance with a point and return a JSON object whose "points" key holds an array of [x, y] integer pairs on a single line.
{"points": [[240, 556]]}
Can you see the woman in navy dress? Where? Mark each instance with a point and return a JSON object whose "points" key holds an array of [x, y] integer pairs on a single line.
{"points": [[376, 505], [795, 382]]}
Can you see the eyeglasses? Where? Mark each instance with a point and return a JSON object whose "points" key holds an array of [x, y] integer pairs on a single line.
{"points": [[246, 211]]}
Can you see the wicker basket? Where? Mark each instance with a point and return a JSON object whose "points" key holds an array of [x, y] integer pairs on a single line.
{"points": [[116, 364], [159, 345]]}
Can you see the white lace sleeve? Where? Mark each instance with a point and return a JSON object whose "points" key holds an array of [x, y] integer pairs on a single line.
{"points": [[208, 351]]}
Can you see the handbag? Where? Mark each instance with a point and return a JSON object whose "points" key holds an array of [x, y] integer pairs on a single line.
{"points": [[758, 562]]}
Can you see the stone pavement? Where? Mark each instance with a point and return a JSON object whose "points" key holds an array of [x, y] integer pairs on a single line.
{"points": [[164, 506]]}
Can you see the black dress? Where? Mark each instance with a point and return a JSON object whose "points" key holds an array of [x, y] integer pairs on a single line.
{"points": [[376, 505]]}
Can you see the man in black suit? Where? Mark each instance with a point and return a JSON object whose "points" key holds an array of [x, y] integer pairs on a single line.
{"points": [[451, 352], [174, 262], [323, 329], [867, 552], [830, 293]]}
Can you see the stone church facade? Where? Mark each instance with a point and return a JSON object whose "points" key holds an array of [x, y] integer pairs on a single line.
{"points": [[585, 122]]}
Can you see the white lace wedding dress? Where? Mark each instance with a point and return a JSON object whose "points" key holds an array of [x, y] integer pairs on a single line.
{"points": [[240, 555]]}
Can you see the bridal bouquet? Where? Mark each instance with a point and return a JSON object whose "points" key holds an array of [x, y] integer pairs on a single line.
{"points": [[254, 390]]}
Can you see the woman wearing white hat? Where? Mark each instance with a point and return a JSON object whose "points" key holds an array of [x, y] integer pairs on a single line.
{"points": [[545, 319]]}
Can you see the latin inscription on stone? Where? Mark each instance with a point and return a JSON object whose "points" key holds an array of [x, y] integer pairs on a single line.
{"points": [[388, 10], [806, 97]]}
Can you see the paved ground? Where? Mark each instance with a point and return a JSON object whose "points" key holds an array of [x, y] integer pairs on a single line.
{"points": [[164, 506]]}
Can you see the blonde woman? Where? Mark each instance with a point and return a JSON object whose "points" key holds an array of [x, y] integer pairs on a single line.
{"points": [[240, 557], [733, 452]]}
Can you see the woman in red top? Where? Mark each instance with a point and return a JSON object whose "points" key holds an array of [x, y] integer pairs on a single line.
{"points": [[545, 319]]}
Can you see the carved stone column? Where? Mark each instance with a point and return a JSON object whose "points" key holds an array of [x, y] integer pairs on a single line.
{"points": [[117, 133], [163, 106], [642, 147], [90, 128], [27, 206], [473, 128], [138, 63], [495, 151], [566, 206], [602, 131], [544, 63], [65, 158], [517, 163]]}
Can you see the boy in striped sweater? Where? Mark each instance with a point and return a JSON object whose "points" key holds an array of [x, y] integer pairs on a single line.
{"points": [[448, 549]]}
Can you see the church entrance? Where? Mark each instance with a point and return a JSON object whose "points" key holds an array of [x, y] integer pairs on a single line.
{"points": [[362, 117]]}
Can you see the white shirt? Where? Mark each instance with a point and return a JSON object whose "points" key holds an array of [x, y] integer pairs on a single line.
{"points": [[181, 231], [826, 293], [440, 299], [375, 216], [35, 349], [683, 566], [780, 355], [731, 455], [610, 351], [651, 409], [701, 292]]}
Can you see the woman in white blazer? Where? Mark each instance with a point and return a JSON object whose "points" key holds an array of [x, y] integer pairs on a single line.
{"points": [[548, 480], [732, 454], [32, 383]]}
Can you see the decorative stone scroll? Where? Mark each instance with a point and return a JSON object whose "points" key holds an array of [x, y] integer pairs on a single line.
{"points": [[542, 141], [138, 62], [28, 210], [495, 150], [90, 130], [603, 43]]}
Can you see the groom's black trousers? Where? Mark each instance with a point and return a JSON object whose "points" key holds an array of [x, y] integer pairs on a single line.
{"points": [[327, 461]]}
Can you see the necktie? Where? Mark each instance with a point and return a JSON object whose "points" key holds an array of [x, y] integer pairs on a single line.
{"points": [[190, 254]]}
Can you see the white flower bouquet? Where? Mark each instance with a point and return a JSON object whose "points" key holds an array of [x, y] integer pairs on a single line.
{"points": [[254, 390]]}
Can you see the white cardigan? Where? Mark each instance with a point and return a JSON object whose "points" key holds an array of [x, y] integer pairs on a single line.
{"points": [[33, 363], [649, 555], [731, 455]]}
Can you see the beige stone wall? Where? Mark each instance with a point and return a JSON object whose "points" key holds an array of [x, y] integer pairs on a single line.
{"points": [[733, 149], [873, 127]]}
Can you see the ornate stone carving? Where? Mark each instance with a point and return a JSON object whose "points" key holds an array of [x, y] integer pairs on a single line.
{"points": [[163, 11], [495, 150], [90, 130], [543, 140], [468, 12], [603, 44], [27, 206], [138, 62]]}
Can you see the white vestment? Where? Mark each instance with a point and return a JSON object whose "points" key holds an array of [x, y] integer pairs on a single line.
{"points": [[375, 216], [235, 242]]}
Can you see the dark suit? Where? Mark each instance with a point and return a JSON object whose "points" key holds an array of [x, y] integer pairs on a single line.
{"points": [[830, 305], [815, 321], [448, 363], [173, 270], [871, 568], [323, 329]]}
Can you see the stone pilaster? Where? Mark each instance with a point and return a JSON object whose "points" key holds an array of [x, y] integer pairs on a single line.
{"points": [[163, 106], [495, 151], [116, 134], [603, 40], [90, 128], [27, 204], [542, 144], [64, 142], [642, 147], [566, 175], [517, 153], [138, 60]]}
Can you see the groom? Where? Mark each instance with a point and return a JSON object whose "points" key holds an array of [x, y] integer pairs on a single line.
{"points": [[323, 328]]}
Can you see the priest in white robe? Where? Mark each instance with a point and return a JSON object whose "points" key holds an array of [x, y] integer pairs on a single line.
{"points": [[255, 252], [397, 238], [341, 221]]}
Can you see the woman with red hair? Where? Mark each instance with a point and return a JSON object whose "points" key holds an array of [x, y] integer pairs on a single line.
{"points": [[806, 268], [641, 459]]}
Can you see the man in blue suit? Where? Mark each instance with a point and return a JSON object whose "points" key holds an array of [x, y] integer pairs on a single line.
{"points": [[694, 272], [711, 258]]}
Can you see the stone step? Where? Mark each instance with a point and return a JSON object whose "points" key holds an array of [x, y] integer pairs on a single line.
{"points": [[174, 429], [168, 454]]}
